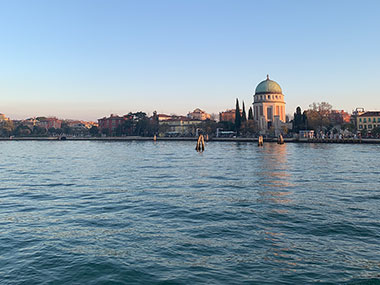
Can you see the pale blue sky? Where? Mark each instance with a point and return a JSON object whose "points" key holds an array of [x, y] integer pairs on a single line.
{"points": [[88, 58]]}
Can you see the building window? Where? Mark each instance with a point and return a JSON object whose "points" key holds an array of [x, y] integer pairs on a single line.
{"points": [[365, 126], [369, 126], [365, 120], [378, 120], [360, 120], [369, 120], [360, 126]]}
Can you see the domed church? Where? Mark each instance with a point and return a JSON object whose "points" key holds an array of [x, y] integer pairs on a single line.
{"points": [[268, 106]]}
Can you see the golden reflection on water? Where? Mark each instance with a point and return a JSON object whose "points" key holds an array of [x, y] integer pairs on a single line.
{"points": [[274, 174], [276, 190]]}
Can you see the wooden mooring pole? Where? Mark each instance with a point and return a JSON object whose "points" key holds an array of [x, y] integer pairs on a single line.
{"points": [[261, 141], [280, 139], [200, 147]]}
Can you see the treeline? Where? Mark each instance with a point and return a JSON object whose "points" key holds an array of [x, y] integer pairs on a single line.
{"points": [[136, 124], [321, 118], [9, 128]]}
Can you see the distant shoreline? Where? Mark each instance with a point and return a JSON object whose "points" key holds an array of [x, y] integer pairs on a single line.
{"points": [[136, 138]]}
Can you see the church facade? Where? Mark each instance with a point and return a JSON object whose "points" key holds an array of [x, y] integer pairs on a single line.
{"points": [[269, 106]]}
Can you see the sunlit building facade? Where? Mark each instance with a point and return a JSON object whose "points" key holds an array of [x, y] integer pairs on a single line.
{"points": [[199, 114], [268, 106], [368, 121]]}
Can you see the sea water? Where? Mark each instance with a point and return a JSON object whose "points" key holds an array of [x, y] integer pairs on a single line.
{"points": [[95, 212]]}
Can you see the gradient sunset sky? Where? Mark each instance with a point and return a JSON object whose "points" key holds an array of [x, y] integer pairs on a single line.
{"points": [[85, 59]]}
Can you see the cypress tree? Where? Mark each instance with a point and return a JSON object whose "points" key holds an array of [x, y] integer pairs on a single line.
{"points": [[243, 115], [237, 117], [250, 114]]}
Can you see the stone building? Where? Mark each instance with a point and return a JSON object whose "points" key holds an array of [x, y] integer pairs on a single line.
{"points": [[269, 106], [199, 114], [368, 120]]}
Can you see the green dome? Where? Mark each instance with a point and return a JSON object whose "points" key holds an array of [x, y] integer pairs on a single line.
{"points": [[268, 86]]}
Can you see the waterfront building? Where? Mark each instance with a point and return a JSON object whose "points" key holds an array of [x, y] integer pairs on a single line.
{"points": [[354, 116], [3, 117], [164, 117], [199, 114], [368, 120], [48, 123], [180, 126], [111, 123], [227, 116], [269, 106], [81, 125], [338, 117]]}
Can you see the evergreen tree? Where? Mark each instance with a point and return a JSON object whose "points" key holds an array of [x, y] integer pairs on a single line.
{"points": [[243, 114], [237, 117], [299, 121], [250, 114], [155, 123]]}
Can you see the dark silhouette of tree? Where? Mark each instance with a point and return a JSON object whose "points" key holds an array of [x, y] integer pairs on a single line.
{"points": [[299, 121], [94, 131], [250, 114], [39, 131], [375, 132], [6, 128], [237, 117], [243, 114], [155, 122], [22, 130], [66, 128]]}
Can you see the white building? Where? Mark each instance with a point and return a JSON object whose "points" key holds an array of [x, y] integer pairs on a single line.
{"points": [[269, 106]]}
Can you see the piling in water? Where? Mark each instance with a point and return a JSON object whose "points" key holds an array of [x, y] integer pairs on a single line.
{"points": [[200, 147], [280, 139], [261, 141]]}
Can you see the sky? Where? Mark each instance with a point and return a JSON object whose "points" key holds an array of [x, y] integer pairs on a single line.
{"points": [[85, 59]]}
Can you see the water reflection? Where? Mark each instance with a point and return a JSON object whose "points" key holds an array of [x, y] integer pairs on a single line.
{"points": [[275, 192], [274, 175]]}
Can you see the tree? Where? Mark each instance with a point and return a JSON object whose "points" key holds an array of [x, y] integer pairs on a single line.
{"points": [[155, 122], [52, 131], [364, 133], [209, 126], [163, 128], [39, 131], [375, 132], [22, 130], [318, 116], [6, 128], [237, 117], [66, 128], [243, 114], [94, 131], [299, 121], [349, 127], [227, 125], [250, 114]]}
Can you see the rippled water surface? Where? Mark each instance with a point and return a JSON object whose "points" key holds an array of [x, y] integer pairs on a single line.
{"points": [[145, 212]]}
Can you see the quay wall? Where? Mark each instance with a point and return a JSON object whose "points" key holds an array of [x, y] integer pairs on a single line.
{"points": [[136, 138]]}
